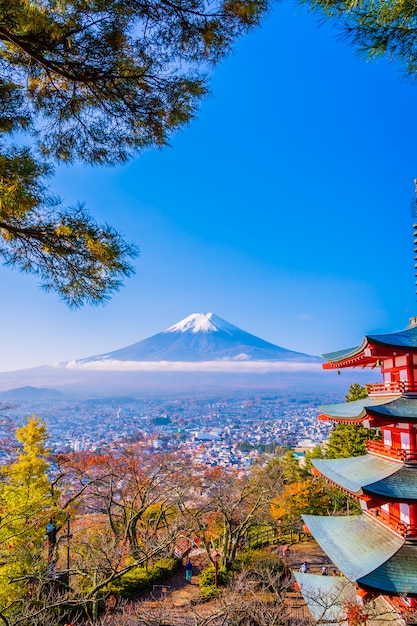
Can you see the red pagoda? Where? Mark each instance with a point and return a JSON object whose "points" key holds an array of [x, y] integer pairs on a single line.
{"points": [[375, 551]]}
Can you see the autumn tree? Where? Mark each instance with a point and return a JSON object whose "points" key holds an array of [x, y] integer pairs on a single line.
{"points": [[300, 492], [128, 513], [224, 507], [255, 597], [298, 498], [312, 496], [123, 517], [95, 82], [28, 502]]}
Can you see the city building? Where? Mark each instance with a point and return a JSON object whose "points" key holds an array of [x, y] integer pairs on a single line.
{"points": [[375, 551]]}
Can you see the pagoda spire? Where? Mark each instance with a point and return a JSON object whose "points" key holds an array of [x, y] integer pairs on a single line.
{"points": [[414, 215]]}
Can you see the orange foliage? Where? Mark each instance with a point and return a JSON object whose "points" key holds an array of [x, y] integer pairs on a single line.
{"points": [[306, 496], [356, 614]]}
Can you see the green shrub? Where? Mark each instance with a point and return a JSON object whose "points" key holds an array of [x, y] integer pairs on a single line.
{"points": [[258, 561], [141, 579], [210, 591], [208, 575]]}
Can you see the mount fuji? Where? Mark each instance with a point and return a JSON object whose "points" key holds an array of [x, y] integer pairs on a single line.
{"points": [[202, 337], [202, 352]]}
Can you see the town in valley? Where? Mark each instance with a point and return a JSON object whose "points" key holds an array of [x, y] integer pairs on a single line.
{"points": [[230, 431]]}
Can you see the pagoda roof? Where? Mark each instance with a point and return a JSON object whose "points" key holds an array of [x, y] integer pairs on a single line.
{"points": [[357, 473], [402, 340], [398, 575], [372, 476], [401, 485], [356, 544], [326, 596], [341, 355], [404, 407], [367, 552], [357, 410]]}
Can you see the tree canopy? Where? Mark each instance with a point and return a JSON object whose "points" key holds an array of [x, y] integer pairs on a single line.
{"points": [[356, 392], [347, 440], [27, 503], [95, 82], [377, 28], [71, 254]]}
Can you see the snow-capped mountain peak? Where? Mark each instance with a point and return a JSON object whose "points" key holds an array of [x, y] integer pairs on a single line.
{"points": [[202, 337], [201, 323]]}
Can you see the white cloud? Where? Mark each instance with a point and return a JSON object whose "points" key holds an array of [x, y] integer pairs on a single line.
{"points": [[240, 357], [185, 366]]}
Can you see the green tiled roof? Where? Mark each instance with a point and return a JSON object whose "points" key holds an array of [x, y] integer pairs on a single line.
{"points": [[404, 407], [342, 354], [356, 410], [404, 339], [400, 486], [356, 544], [326, 596], [358, 472], [398, 575]]}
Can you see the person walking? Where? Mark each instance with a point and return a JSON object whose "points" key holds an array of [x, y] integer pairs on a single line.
{"points": [[188, 571], [304, 567]]}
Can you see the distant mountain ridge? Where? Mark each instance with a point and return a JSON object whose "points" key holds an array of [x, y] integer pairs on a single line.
{"points": [[30, 393], [203, 337]]}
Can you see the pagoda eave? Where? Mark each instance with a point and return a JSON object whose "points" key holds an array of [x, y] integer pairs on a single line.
{"points": [[356, 544], [355, 474], [366, 420], [365, 356], [397, 576], [400, 409], [354, 362], [355, 412], [326, 596], [329, 600], [399, 486], [344, 420]]}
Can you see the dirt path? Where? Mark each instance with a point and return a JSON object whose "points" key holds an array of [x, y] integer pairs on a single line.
{"points": [[310, 552], [172, 603], [177, 588], [176, 602], [314, 556]]}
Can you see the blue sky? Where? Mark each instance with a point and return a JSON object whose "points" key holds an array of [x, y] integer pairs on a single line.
{"points": [[284, 207]]}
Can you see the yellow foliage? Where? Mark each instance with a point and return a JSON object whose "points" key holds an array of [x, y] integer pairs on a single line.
{"points": [[27, 504], [305, 496]]}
